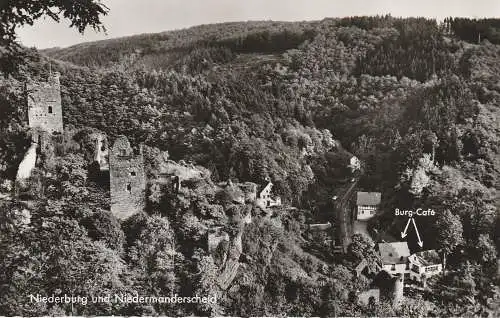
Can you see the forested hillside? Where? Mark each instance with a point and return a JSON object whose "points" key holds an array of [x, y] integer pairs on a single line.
{"points": [[417, 102]]}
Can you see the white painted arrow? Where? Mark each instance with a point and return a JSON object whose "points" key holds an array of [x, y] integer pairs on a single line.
{"points": [[403, 234], [420, 242]]}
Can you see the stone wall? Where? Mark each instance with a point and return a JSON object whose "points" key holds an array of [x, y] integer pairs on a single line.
{"points": [[27, 164], [101, 154], [184, 171], [127, 179], [397, 295], [230, 267], [44, 105]]}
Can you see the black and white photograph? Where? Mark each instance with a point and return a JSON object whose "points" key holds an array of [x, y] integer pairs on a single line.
{"points": [[237, 158]]}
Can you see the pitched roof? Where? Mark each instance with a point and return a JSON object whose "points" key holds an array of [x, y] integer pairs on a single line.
{"points": [[268, 188], [368, 198], [394, 253], [427, 258]]}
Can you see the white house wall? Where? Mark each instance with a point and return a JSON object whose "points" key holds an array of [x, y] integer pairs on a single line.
{"points": [[365, 212], [399, 268]]}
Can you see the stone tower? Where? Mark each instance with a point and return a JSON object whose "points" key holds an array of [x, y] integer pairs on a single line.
{"points": [[397, 293], [127, 179], [44, 105]]}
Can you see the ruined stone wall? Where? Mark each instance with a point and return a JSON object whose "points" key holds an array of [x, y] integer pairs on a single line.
{"points": [[397, 294], [232, 264], [27, 164], [183, 170], [250, 191], [101, 152], [44, 105], [127, 179]]}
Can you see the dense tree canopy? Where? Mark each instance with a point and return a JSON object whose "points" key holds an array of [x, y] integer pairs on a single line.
{"points": [[290, 102], [17, 13]]}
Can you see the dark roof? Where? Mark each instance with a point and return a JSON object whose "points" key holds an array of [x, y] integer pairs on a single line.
{"points": [[427, 258], [368, 198], [394, 253]]}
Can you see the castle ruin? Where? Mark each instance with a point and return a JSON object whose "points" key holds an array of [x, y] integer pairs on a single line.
{"points": [[127, 179], [100, 151], [44, 118], [44, 105]]}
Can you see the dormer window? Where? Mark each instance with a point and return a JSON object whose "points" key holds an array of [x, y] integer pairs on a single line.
{"points": [[50, 109]]}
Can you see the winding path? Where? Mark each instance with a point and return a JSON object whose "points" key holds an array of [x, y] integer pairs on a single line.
{"points": [[343, 217]]}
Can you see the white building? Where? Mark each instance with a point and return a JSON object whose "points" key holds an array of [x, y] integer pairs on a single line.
{"points": [[394, 257], [266, 199], [354, 163], [367, 204], [424, 265]]}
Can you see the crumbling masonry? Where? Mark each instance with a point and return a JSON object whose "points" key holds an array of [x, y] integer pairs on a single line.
{"points": [[44, 105], [44, 118], [127, 179]]}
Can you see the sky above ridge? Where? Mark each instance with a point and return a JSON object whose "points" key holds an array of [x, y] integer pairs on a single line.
{"points": [[128, 17]]}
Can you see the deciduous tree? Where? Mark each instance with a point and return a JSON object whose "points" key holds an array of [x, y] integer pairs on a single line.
{"points": [[17, 13]]}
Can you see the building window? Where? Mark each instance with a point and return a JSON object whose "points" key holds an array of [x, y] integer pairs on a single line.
{"points": [[415, 269], [123, 152], [50, 109], [132, 173], [431, 268], [393, 267], [129, 187]]}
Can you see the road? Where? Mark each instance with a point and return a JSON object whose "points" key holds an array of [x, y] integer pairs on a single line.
{"points": [[343, 216]]}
